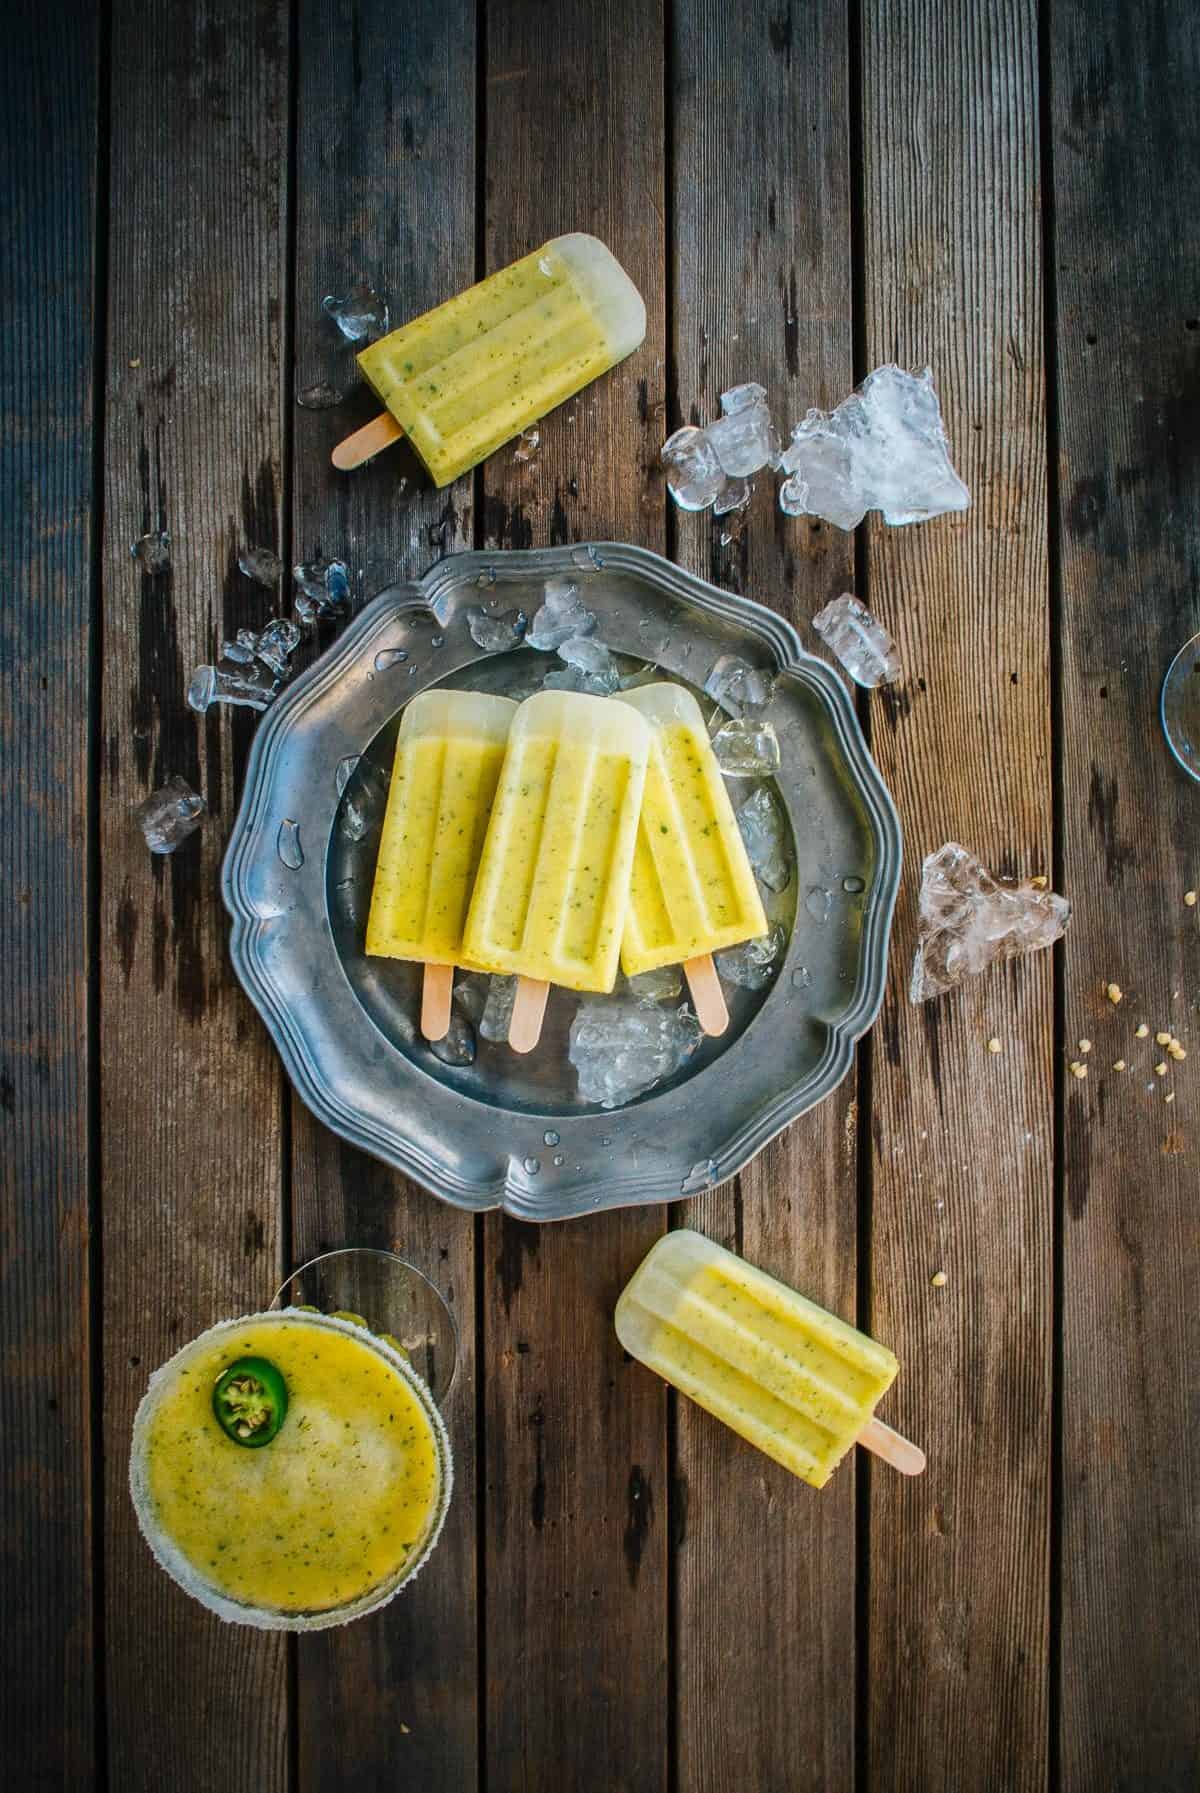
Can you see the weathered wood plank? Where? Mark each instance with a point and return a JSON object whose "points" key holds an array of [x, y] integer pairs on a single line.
{"points": [[386, 193], [963, 1140], [1125, 158], [763, 292], [190, 1087], [48, 129], [575, 1503]]}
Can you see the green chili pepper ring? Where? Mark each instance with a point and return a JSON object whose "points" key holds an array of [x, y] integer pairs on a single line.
{"points": [[250, 1401]]}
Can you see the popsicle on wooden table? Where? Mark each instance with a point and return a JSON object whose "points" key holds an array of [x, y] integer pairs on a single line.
{"points": [[448, 757], [553, 881], [468, 376], [792, 1379], [693, 891]]}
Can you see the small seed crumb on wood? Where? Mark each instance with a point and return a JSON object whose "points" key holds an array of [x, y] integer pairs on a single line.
{"points": [[1170, 1096], [939, 1279], [1176, 1051], [1189, 897], [994, 1045], [1085, 1046], [1114, 993], [1160, 1069], [1076, 1069], [1142, 1031], [1162, 1038], [1040, 882], [1118, 1064]]}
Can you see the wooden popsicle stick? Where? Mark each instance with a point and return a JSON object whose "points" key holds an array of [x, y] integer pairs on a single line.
{"points": [[707, 994], [353, 450], [437, 987], [529, 1008], [895, 1449]]}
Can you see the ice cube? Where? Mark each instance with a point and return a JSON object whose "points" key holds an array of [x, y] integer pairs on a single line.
{"points": [[321, 396], [322, 589], [752, 964], [498, 1008], [743, 398], [562, 616], [863, 645], [470, 995], [262, 565], [740, 688], [275, 644], [621, 1046], [733, 496], [744, 439], [248, 688], [457, 1045], [361, 314], [169, 815], [659, 985], [746, 748], [767, 836], [496, 632], [883, 448], [969, 920], [153, 551], [593, 660], [694, 474]]}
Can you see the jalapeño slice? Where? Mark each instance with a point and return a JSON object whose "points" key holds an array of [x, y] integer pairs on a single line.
{"points": [[250, 1401]]}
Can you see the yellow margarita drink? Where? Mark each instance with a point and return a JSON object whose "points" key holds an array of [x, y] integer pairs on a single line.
{"points": [[290, 1470]]}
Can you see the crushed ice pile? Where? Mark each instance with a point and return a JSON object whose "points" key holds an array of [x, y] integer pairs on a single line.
{"points": [[496, 633], [250, 672], [884, 448], [622, 1046], [169, 815], [969, 920], [752, 963], [863, 645], [712, 466]]}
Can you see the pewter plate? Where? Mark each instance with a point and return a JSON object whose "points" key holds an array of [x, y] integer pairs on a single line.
{"points": [[507, 1131]]}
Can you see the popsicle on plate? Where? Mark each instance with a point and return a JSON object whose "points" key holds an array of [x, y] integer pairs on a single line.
{"points": [[553, 881], [791, 1378], [473, 373], [692, 892], [448, 757]]}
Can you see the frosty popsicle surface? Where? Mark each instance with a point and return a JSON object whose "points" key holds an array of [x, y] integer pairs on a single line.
{"points": [[474, 372], [553, 881], [794, 1380], [448, 757], [692, 890]]}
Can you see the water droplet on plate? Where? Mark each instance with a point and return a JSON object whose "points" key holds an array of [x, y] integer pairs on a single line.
{"points": [[345, 771], [560, 1158], [818, 902], [606, 1141], [533, 1165], [550, 1136], [438, 641], [388, 657], [802, 978], [287, 844], [853, 886]]}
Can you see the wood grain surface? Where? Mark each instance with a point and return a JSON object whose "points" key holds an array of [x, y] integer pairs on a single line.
{"points": [[574, 1510], [385, 194], [762, 291], [1128, 354], [48, 147], [625, 1597], [191, 1091], [963, 1160]]}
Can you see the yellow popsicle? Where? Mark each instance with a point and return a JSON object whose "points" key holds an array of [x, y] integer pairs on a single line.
{"points": [[692, 890], [553, 881], [791, 1378], [448, 757], [474, 372]]}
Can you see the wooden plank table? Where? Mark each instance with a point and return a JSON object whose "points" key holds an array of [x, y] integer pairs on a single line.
{"points": [[626, 1597]]}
